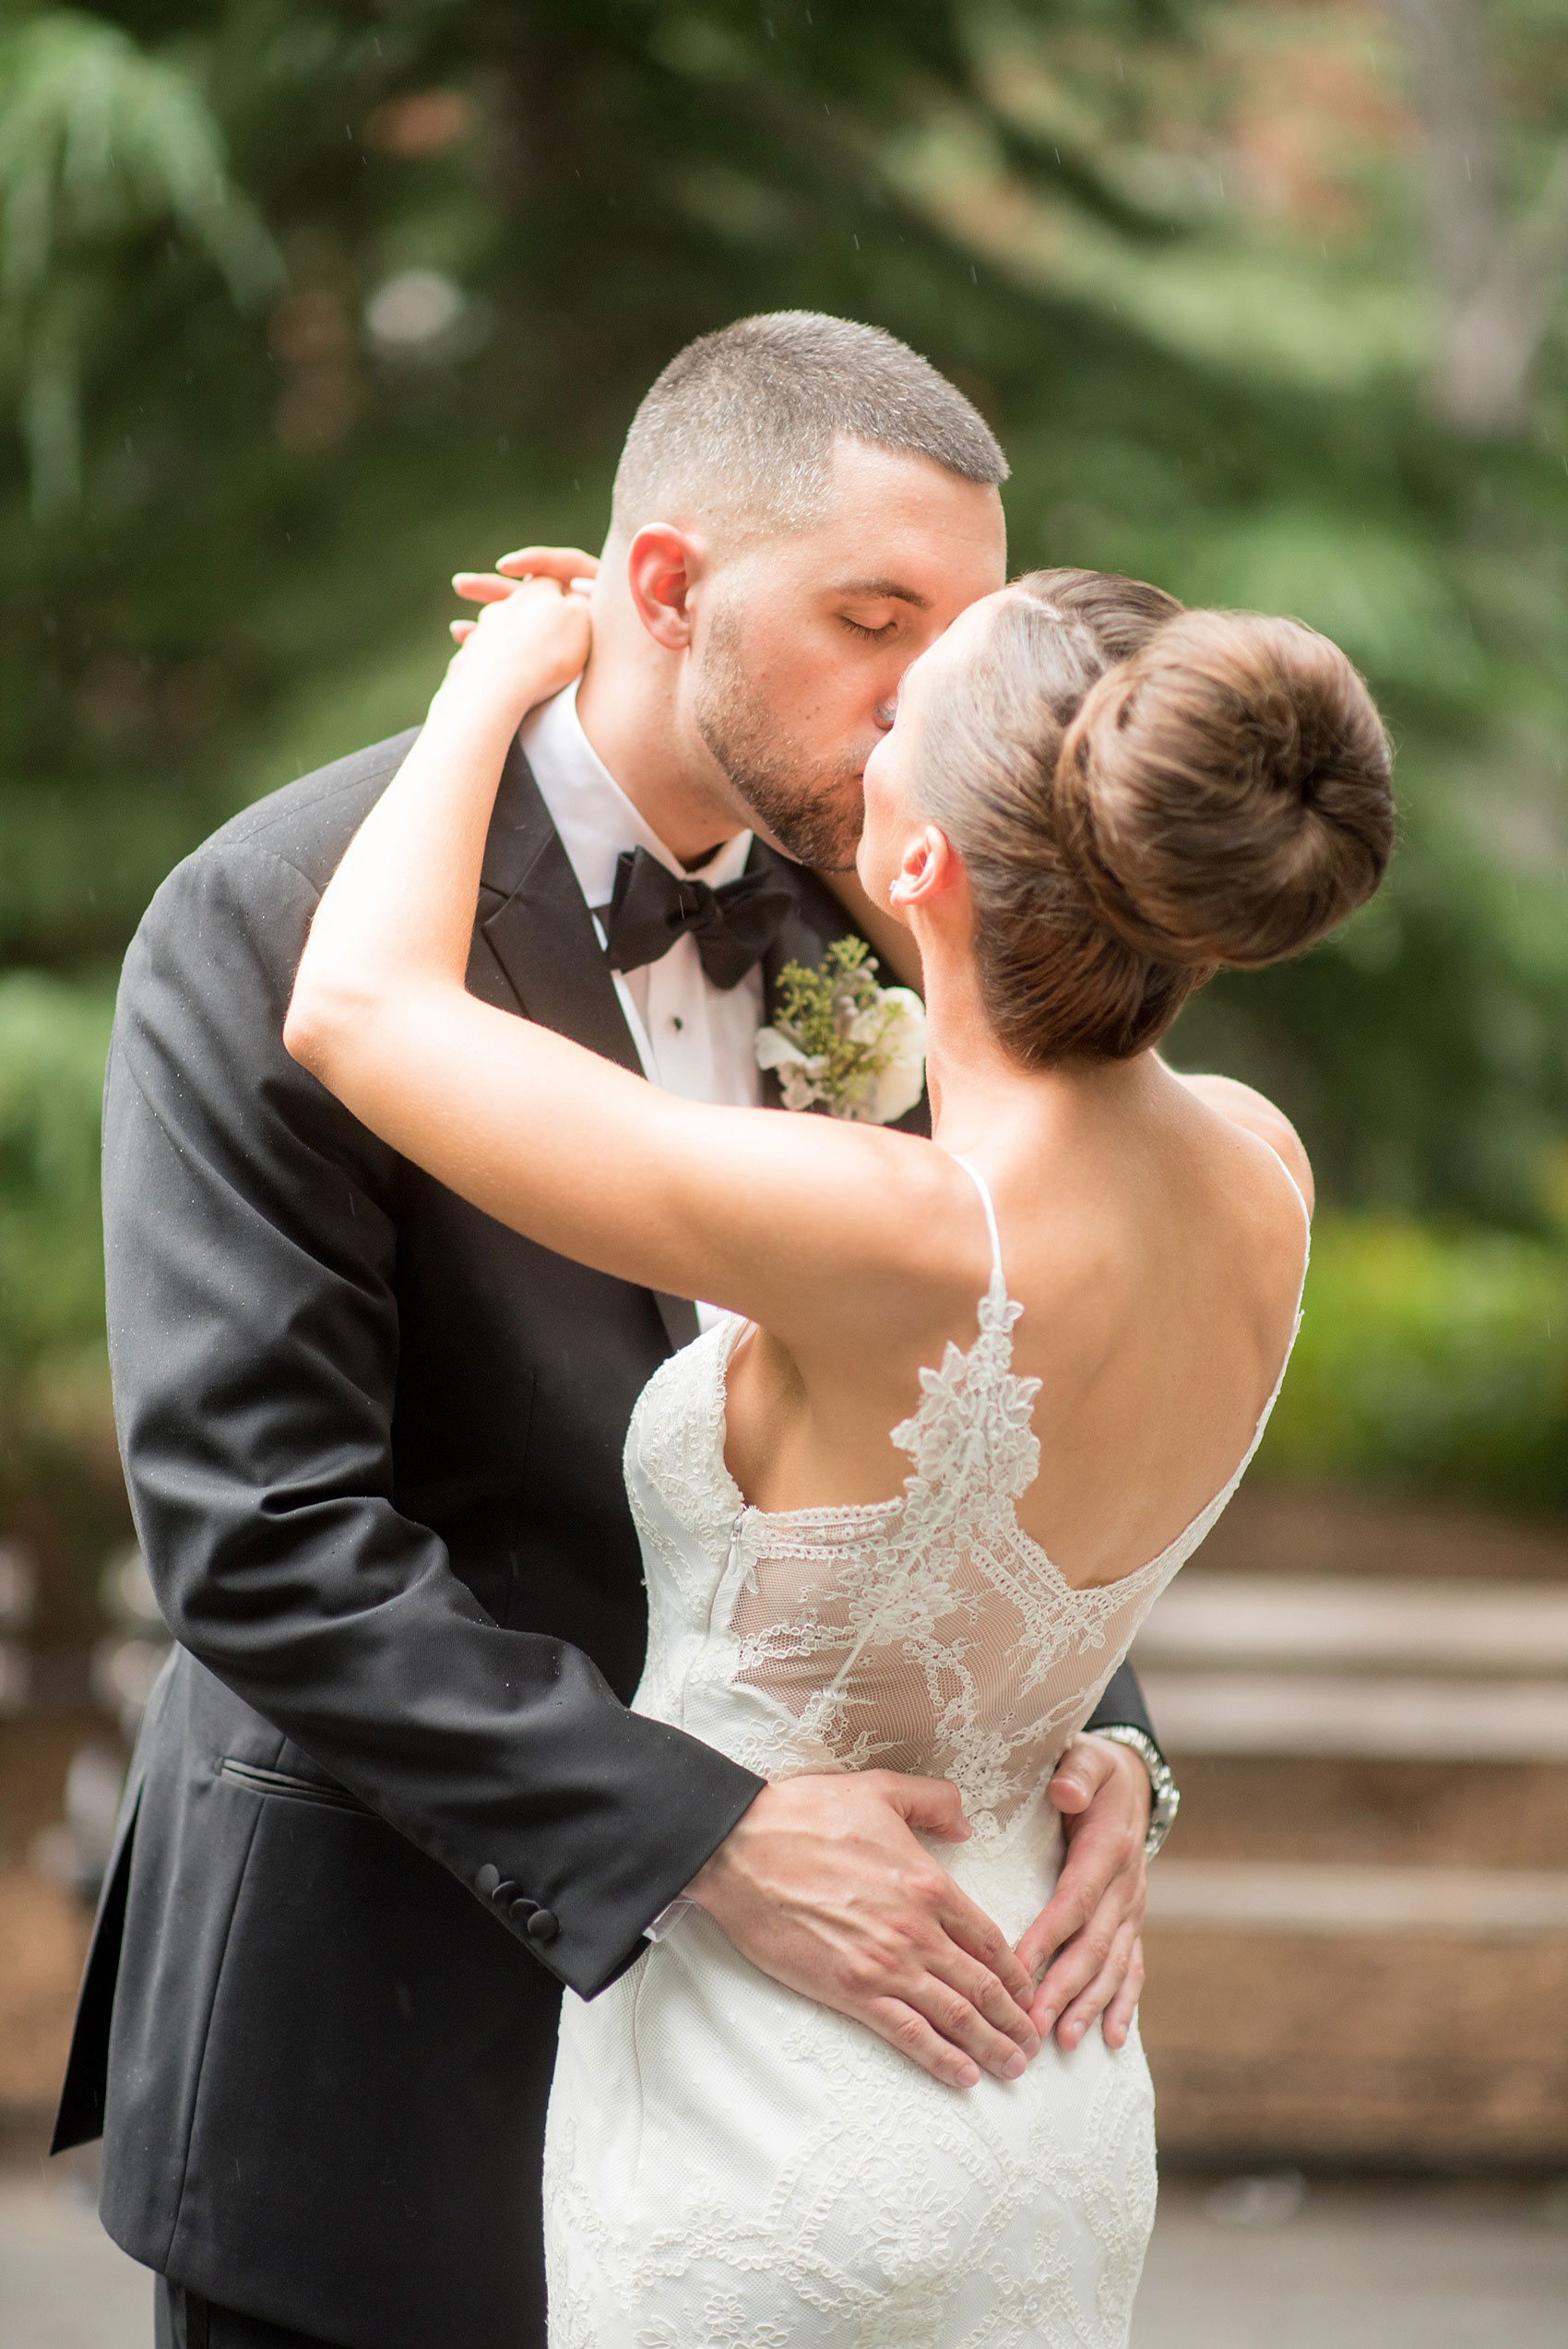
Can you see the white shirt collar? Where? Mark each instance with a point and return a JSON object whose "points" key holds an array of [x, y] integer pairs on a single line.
{"points": [[595, 819]]}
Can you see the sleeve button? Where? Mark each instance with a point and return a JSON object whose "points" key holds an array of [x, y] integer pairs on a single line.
{"points": [[486, 1882], [522, 1909], [501, 1893], [543, 1925]]}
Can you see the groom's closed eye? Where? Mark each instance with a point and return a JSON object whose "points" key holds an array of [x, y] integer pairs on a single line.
{"points": [[869, 598]]}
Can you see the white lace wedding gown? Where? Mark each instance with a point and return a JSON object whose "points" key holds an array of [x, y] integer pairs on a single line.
{"points": [[728, 2165]]}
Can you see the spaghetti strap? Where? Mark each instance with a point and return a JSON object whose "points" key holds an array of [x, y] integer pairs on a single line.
{"points": [[1307, 1252], [1300, 1195], [983, 1187]]}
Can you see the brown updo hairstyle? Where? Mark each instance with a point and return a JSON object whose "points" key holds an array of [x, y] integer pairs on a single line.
{"points": [[1142, 794]]}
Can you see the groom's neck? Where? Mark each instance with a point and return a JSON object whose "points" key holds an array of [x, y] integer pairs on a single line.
{"points": [[629, 708]]}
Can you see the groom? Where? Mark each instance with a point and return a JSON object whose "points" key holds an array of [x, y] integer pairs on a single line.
{"points": [[388, 1797]]}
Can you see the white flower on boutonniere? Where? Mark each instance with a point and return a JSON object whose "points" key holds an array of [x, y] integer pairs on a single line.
{"points": [[841, 1042]]}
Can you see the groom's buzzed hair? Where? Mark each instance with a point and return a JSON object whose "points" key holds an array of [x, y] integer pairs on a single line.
{"points": [[741, 425]]}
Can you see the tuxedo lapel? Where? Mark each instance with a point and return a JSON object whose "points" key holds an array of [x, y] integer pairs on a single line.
{"points": [[809, 928], [535, 924], [542, 934]]}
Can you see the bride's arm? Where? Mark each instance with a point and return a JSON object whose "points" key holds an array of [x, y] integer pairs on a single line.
{"points": [[788, 1220]]}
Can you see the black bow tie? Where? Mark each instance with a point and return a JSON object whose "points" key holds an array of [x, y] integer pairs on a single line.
{"points": [[734, 924]]}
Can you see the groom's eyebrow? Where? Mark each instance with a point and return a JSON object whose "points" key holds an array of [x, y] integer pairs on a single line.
{"points": [[868, 590]]}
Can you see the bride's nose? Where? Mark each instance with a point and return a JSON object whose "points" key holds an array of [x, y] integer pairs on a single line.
{"points": [[885, 713]]}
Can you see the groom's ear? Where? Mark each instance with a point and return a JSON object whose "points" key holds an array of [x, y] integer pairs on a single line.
{"points": [[661, 568]]}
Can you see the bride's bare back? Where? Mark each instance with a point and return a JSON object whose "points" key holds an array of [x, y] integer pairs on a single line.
{"points": [[1156, 1243]]}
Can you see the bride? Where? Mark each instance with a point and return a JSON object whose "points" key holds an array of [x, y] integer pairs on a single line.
{"points": [[974, 1401]]}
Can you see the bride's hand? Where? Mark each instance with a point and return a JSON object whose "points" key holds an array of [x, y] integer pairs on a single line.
{"points": [[533, 635], [569, 564]]}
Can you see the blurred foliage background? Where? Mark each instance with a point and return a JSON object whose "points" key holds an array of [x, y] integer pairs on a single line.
{"points": [[302, 306]]}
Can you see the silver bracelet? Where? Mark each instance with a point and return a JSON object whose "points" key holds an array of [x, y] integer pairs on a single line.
{"points": [[1165, 1795]]}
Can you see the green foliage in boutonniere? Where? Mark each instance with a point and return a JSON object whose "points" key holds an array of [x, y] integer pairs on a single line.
{"points": [[843, 1043]]}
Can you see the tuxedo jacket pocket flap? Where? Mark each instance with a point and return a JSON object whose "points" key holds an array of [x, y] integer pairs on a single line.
{"points": [[291, 1789]]}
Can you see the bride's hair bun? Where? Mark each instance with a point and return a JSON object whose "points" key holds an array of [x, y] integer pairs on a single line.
{"points": [[1223, 794], [1141, 794]]}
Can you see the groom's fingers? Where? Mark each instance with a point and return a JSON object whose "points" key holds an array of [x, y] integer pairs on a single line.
{"points": [[959, 2025], [932, 1805], [1117, 2020], [983, 1939], [906, 2029], [1105, 2000], [1006, 2017], [1111, 1998], [1094, 1959]]}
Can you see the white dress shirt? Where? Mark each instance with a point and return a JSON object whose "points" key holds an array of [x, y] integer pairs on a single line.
{"points": [[693, 1038]]}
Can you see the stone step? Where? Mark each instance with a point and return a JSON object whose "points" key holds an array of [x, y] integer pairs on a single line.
{"points": [[1358, 1625], [1413, 2049], [1250, 1896], [1355, 1812], [1360, 1715]]}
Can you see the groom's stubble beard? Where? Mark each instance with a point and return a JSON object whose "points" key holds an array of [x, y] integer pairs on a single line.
{"points": [[814, 809]]}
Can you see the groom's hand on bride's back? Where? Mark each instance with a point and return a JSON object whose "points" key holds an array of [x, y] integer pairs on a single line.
{"points": [[1084, 1950], [824, 1885]]}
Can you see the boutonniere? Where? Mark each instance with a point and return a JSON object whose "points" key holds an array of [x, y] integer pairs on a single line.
{"points": [[841, 1042]]}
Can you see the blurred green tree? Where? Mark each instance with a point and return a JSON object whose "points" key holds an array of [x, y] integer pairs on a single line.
{"points": [[99, 144], [1499, 269]]}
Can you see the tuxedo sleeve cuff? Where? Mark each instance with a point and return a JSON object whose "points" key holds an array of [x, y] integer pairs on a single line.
{"points": [[1122, 1706], [587, 1926]]}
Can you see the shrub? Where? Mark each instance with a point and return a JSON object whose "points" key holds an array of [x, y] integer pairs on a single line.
{"points": [[1431, 1362]]}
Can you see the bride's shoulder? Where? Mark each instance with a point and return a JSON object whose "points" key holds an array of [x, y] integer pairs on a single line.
{"points": [[1247, 1111]]}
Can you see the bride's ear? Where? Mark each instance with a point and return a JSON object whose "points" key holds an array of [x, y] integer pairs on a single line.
{"points": [[927, 871], [663, 565]]}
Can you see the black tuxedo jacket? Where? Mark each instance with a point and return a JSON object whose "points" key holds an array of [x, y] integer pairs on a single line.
{"points": [[388, 1797]]}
